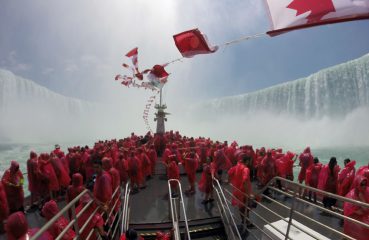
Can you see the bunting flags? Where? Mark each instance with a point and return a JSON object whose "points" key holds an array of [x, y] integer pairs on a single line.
{"points": [[287, 15], [158, 76], [193, 42], [146, 112]]}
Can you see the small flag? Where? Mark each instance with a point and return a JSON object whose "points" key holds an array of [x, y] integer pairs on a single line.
{"points": [[193, 42]]}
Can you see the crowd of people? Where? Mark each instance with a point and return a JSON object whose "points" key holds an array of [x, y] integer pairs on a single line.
{"points": [[109, 164]]}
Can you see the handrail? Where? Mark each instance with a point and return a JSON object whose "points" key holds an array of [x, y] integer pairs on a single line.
{"points": [[173, 210], [125, 210], [293, 185], [74, 221], [222, 198]]}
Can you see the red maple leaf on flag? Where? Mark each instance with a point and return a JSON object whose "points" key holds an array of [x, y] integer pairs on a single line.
{"points": [[317, 8]]}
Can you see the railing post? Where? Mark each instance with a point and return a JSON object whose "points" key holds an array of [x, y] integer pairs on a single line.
{"points": [[75, 224], [291, 213]]}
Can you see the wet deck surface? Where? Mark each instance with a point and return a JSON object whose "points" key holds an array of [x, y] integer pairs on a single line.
{"points": [[151, 205]]}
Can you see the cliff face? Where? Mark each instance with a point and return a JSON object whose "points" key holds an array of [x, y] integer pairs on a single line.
{"points": [[335, 91]]}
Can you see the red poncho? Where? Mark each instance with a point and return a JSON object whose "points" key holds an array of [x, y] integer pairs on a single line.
{"points": [[76, 188], [60, 171], [4, 209], [48, 174], [153, 158], [205, 184], [33, 170], [96, 221], [354, 211], [191, 164], [122, 166], [134, 170], [328, 180], [49, 210], [312, 175], [13, 184], [173, 173], [16, 226], [306, 160], [103, 188], [346, 178], [221, 161], [268, 169], [239, 177]]}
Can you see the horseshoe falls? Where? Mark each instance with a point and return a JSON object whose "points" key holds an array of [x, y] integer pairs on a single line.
{"points": [[332, 92], [329, 108], [27, 107]]}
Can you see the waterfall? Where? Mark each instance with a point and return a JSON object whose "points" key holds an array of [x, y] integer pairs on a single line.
{"points": [[334, 92]]}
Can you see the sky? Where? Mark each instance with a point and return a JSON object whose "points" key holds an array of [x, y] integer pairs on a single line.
{"points": [[76, 47]]}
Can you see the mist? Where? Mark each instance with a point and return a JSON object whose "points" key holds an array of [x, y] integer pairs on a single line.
{"points": [[278, 130]]}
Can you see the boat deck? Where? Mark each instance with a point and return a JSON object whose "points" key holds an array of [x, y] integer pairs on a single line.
{"points": [[149, 209]]}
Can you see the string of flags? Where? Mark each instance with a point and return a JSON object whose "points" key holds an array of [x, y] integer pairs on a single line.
{"points": [[146, 111], [285, 16]]}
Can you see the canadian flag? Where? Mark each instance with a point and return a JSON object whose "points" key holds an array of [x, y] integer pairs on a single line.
{"points": [[193, 42], [287, 15]]}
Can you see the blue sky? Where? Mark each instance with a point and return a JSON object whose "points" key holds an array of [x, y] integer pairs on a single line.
{"points": [[76, 47]]}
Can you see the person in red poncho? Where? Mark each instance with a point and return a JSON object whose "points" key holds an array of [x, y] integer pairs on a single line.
{"points": [[33, 180], [115, 177], [153, 156], [221, 162], [360, 192], [306, 160], [312, 177], [13, 184], [96, 222], [4, 209], [346, 177], [145, 168], [239, 177], [60, 171], [173, 173], [191, 163], [206, 181], [268, 168], [122, 166], [49, 210], [76, 188], [103, 187], [328, 181], [49, 180], [17, 228], [134, 171]]}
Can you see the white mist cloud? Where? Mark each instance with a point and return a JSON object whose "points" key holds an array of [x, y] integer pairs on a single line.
{"points": [[273, 130]]}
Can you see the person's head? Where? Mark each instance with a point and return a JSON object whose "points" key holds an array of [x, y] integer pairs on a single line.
{"points": [[131, 234], [57, 146], [16, 226], [97, 164], [14, 166], [32, 155], [332, 163], [107, 163], [246, 160], [347, 160], [316, 160], [50, 209], [360, 183], [77, 180]]}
